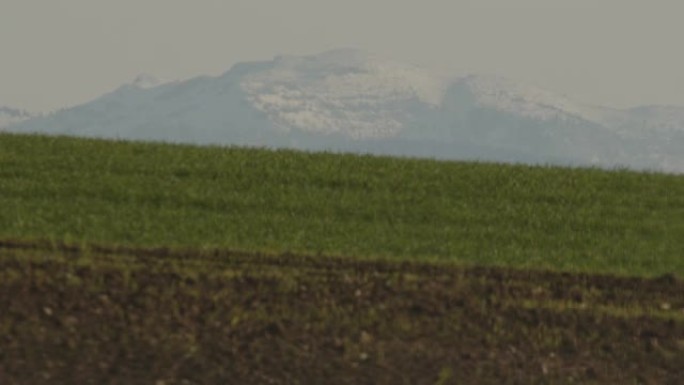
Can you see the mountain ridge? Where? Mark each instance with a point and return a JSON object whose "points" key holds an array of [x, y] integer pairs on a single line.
{"points": [[351, 100]]}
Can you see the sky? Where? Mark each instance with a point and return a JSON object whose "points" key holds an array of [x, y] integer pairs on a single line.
{"points": [[619, 53]]}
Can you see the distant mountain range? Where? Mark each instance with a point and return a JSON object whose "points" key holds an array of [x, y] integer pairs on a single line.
{"points": [[350, 100], [10, 116]]}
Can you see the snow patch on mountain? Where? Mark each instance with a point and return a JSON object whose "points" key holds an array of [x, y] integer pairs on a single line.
{"points": [[529, 101], [146, 80], [343, 91]]}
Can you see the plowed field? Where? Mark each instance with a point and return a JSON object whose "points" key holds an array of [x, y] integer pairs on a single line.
{"points": [[98, 315]]}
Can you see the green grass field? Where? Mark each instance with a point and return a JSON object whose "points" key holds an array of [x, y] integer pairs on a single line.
{"points": [[141, 194]]}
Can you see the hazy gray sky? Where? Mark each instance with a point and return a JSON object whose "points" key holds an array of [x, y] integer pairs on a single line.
{"points": [[614, 52]]}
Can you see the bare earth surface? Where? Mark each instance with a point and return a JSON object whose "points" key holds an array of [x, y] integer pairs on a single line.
{"points": [[99, 315]]}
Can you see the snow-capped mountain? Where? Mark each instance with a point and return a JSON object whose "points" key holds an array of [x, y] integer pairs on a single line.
{"points": [[10, 116], [345, 91], [350, 100], [145, 80]]}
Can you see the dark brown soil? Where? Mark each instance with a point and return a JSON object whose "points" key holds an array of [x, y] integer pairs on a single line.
{"points": [[151, 316]]}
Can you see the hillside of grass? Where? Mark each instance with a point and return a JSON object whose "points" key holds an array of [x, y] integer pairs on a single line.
{"points": [[143, 194]]}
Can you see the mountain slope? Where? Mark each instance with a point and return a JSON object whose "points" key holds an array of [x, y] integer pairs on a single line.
{"points": [[9, 116], [350, 100]]}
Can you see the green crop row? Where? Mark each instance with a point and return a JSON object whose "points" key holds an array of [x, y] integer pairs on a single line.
{"points": [[144, 194]]}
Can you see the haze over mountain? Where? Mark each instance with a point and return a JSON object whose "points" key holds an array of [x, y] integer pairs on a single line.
{"points": [[10, 115], [350, 100]]}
